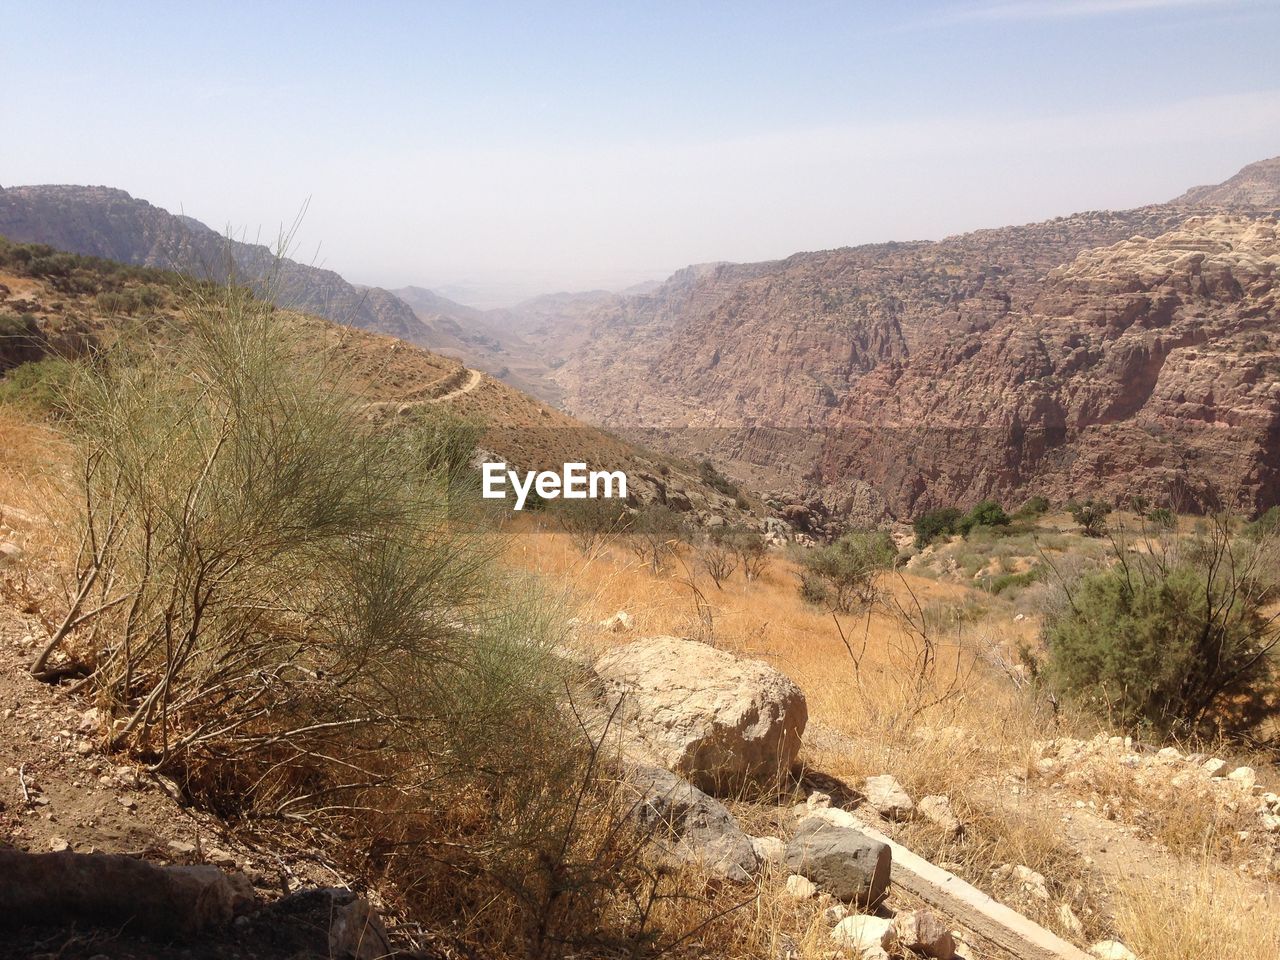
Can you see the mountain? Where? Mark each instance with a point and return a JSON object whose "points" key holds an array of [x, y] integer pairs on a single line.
{"points": [[892, 378], [109, 223], [1257, 186]]}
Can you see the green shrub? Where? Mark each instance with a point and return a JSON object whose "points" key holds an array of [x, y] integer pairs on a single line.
{"points": [[1162, 517], [843, 574], [1174, 640], [1036, 506], [1091, 515], [1266, 525], [715, 479], [1013, 581], [988, 514], [934, 524], [40, 385]]}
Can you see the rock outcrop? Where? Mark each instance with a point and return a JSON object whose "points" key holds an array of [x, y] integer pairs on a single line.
{"points": [[717, 720], [1089, 355]]}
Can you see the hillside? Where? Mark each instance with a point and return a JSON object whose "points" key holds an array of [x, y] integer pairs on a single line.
{"points": [[816, 373], [55, 305]]}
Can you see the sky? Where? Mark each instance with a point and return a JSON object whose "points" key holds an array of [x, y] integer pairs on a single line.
{"points": [[497, 150]]}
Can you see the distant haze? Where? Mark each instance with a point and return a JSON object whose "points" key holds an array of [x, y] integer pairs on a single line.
{"points": [[494, 151]]}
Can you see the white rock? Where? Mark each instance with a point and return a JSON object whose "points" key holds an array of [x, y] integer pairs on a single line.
{"points": [[818, 801], [801, 888], [769, 849], [862, 933], [1111, 950], [936, 808], [835, 913], [1169, 753], [1246, 777], [1068, 920], [620, 622], [922, 932], [1032, 883], [886, 795], [711, 717], [1213, 766]]}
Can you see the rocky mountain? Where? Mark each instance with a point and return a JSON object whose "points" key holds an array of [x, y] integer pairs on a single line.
{"points": [[891, 378], [109, 223]]}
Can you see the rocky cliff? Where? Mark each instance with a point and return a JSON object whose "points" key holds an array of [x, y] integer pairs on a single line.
{"points": [[894, 377], [109, 223]]}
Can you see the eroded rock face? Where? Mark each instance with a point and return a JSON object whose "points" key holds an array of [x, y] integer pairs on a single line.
{"points": [[713, 718], [1060, 358]]}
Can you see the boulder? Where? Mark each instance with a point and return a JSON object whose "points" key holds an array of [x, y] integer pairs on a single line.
{"points": [[801, 888], [920, 931], [689, 826], [864, 935], [886, 795], [841, 860], [715, 719]]}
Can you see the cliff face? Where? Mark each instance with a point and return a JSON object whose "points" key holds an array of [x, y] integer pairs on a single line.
{"points": [[895, 377], [103, 222]]}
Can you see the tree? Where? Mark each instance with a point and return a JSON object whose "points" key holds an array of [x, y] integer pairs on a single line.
{"points": [[844, 573], [655, 534], [752, 551], [591, 523], [1176, 636], [987, 513], [718, 557], [1091, 515], [934, 524]]}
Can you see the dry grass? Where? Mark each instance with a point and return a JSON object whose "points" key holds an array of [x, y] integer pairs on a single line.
{"points": [[875, 719]]}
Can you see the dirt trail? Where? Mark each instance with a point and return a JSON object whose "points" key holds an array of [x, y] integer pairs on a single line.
{"points": [[473, 381]]}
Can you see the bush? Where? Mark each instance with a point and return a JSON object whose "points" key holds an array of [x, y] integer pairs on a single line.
{"points": [[40, 385], [1036, 506], [988, 514], [655, 533], [1162, 517], [844, 573], [934, 524], [717, 556], [1175, 639], [591, 523], [752, 551], [1267, 525], [287, 608], [1091, 515], [716, 480]]}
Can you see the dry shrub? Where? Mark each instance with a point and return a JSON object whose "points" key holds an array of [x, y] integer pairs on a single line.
{"points": [[291, 611]]}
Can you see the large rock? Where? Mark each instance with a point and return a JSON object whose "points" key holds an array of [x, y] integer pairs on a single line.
{"points": [[713, 718], [843, 861], [689, 826]]}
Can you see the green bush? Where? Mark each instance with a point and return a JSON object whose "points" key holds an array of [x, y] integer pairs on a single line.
{"points": [[1091, 515], [1036, 506], [988, 514], [1162, 517], [934, 524], [1266, 525], [1014, 581], [1176, 641], [715, 479], [843, 574], [40, 385]]}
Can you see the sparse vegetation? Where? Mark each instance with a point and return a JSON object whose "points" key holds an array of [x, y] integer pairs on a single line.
{"points": [[843, 575], [1091, 515]]}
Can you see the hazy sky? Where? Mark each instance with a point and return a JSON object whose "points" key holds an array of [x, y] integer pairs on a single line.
{"points": [[531, 146]]}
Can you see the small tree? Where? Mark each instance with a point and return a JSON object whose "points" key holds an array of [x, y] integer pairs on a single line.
{"points": [[718, 557], [934, 524], [1091, 515], [591, 523], [1177, 635], [752, 551], [988, 513], [655, 533], [847, 569]]}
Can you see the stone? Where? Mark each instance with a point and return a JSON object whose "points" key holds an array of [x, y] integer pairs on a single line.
{"points": [[356, 931], [1245, 777], [863, 934], [936, 808], [1029, 881], [9, 553], [769, 849], [886, 795], [922, 932], [841, 860], [1111, 950], [835, 913], [620, 622], [801, 888], [689, 826], [717, 720], [90, 721], [1068, 920], [1213, 766], [58, 844], [818, 801]]}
